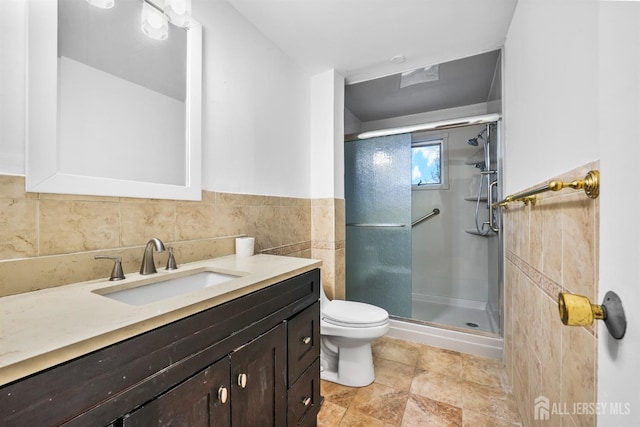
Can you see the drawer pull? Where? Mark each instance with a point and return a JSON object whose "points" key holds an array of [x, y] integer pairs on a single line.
{"points": [[306, 401], [306, 340], [242, 380], [223, 394]]}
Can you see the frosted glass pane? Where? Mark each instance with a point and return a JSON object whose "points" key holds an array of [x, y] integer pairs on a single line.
{"points": [[378, 214]]}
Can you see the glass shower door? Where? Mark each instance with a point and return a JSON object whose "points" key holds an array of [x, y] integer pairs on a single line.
{"points": [[378, 217]]}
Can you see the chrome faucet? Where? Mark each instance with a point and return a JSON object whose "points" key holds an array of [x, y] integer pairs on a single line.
{"points": [[148, 266]]}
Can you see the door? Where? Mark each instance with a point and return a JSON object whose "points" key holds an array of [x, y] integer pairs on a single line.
{"points": [[378, 217], [258, 381], [200, 401]]}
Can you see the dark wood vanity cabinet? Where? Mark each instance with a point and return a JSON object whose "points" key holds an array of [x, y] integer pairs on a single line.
{"points": [[210, 398], [199, 401], [253, 361]]}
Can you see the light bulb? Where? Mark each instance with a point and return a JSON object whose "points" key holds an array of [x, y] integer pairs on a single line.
{"points": [[155, 21], [154, 24], [178, 12]]}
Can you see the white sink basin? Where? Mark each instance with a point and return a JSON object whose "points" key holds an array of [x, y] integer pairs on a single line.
{"points": [[168, 288]]}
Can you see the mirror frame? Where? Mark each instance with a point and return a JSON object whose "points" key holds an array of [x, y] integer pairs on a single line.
{"points": [[42, 174]]}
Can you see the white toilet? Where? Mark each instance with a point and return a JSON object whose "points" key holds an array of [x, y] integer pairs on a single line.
{"points": [[347, 329]]}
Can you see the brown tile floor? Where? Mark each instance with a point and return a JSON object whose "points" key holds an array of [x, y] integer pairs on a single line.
{"points": [[419, 385]]}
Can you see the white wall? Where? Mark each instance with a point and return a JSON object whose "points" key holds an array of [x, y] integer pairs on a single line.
{"points": [[256, 109], [12, 81], [327, 135], [351, 123], [572, 95], [619, 136], [551, 92], [447, 261]]}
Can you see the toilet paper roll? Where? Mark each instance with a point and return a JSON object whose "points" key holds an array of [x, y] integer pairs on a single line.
{"points": [[244, 246]]}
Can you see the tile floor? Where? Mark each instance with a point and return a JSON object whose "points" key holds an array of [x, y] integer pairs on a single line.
{"points": [[419, 385]]}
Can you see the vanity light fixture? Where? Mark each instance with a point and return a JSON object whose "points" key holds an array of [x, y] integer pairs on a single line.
{"points": [[154, 20], [102, 4], [178, 12], [155, 24]]}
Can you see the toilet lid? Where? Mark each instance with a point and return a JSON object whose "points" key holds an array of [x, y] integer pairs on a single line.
{"points": [[354, 314]]}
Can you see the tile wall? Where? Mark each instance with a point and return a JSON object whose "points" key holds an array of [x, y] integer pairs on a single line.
{"points": [[549, 248], [328, 243], [49, 240]]}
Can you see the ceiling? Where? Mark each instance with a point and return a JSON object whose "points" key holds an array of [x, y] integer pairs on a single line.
{"points": [[358, 38], [461, 82]]}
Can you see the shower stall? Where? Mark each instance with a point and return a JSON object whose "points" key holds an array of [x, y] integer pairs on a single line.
{"points": [[422, 240]]}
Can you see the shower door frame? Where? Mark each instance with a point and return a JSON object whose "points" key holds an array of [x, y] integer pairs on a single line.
{"points": [[500, 301]]}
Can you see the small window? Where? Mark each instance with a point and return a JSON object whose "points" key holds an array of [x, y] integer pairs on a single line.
{"points": [[429, 164]]}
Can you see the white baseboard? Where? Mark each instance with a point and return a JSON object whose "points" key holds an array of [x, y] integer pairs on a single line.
{"points": [[479, 345]]}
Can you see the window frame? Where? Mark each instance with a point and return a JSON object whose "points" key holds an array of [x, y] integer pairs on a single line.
{"points": [[422, 139]]}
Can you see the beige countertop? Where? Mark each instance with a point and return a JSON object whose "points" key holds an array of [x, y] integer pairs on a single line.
{"points": [[44, 328]]}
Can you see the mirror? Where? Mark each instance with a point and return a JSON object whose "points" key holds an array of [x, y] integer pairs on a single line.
{"points": [[111, 112]]}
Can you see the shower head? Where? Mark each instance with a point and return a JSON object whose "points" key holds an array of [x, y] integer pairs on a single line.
{"points": [[474, 141]]}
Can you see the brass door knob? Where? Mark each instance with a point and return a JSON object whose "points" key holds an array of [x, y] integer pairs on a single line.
{"points": [[577, 310]]}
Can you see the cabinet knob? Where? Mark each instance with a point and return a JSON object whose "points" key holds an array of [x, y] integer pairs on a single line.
{"points": [[223, 394], [306, 401], [242, 380], [306, 340]]}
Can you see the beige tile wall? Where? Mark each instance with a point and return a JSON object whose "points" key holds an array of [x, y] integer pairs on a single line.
{"points": [[50, 240], [328, 243], [551, 247]]}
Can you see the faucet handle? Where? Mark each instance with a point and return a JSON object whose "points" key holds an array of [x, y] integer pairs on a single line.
{"points": [[116, 273], [171, 261]]}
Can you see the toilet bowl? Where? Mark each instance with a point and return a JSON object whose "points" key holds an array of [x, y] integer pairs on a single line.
{"points": [[347, 329]]}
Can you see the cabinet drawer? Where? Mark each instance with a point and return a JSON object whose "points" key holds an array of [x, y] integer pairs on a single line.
{"points": [[303, 341], [304, 398]]}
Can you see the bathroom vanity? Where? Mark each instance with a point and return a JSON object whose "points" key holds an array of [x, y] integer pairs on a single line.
{"points": [[248, 360]]}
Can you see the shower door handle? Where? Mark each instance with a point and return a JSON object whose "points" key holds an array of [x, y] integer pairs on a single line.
{"points": [[492, 224]]}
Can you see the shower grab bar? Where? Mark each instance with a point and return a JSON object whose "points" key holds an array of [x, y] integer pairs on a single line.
{"points": [[492, 224], [590, 184], [378, 225], [434, 212]]}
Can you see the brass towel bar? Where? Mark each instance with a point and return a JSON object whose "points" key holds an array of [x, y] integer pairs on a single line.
{"points": [[590, 184]]}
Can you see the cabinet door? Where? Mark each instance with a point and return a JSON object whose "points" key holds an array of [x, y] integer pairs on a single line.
{"points": [[201, 401], [258, 381]]}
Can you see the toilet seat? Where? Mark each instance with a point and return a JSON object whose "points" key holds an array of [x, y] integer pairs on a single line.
{"points": [[353, 314]]}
